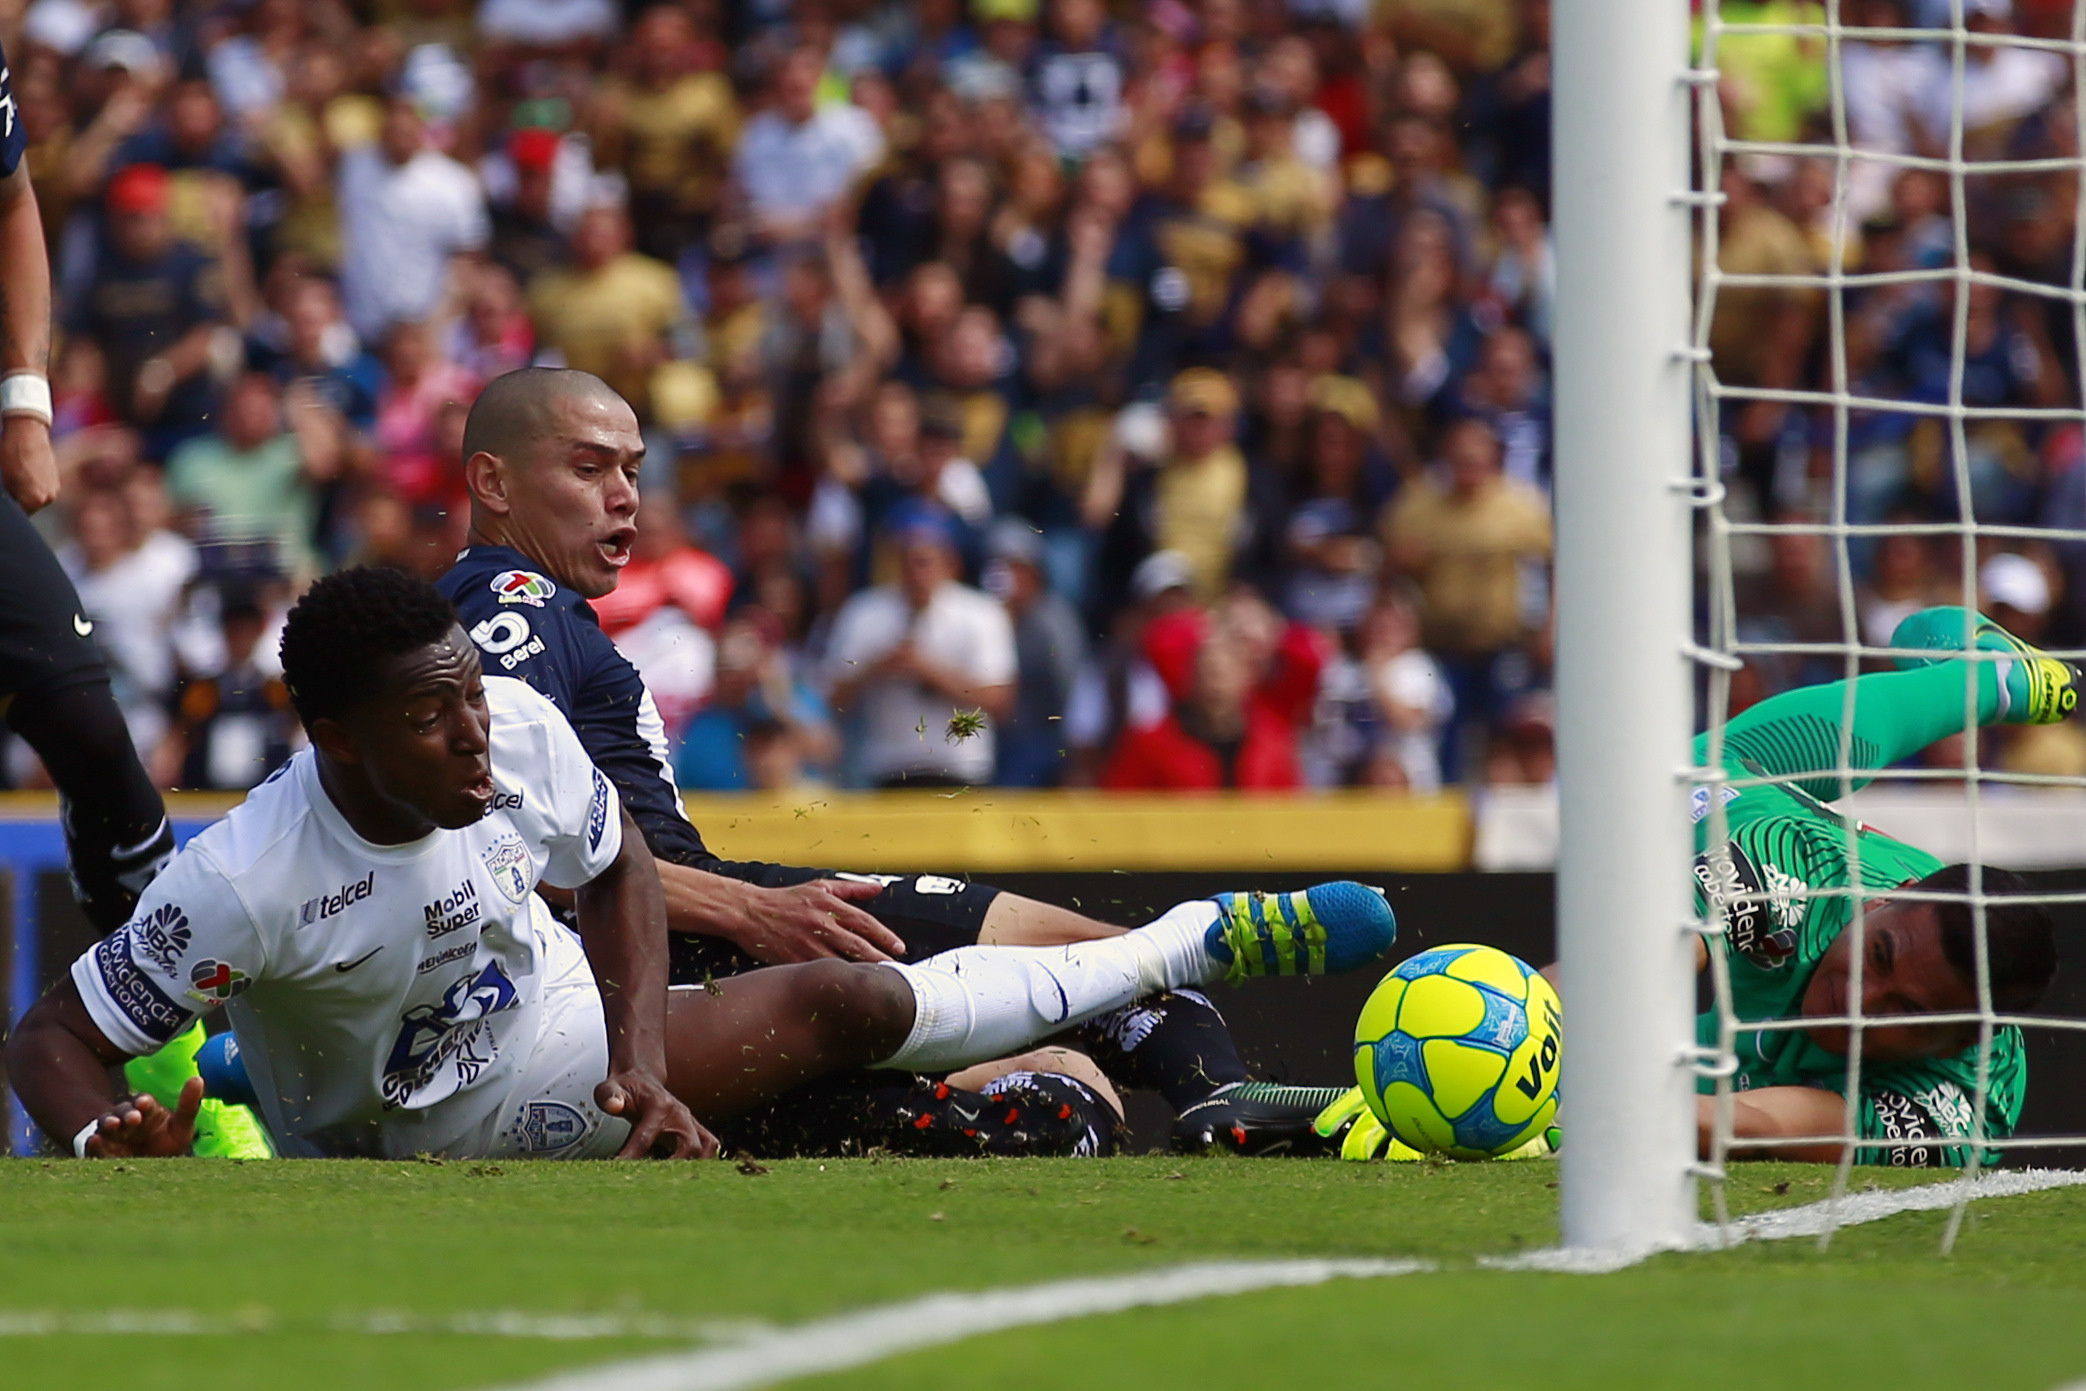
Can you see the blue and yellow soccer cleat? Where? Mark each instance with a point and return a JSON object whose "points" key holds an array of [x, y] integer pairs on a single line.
{"points": [[1318, 931], [2033, 688]]}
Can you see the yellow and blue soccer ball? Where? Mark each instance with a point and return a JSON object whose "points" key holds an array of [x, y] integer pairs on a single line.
{"points": [[1457, 1052]]}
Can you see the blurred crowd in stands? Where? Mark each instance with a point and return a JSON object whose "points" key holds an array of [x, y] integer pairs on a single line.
{"points": [[1164, 380], [1965, 306]]}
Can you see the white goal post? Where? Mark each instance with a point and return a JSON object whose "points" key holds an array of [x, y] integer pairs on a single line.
{"points": [[1621, 109]]}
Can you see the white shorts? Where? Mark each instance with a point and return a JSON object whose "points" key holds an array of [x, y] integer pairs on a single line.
{"points": [[551, 1114]]}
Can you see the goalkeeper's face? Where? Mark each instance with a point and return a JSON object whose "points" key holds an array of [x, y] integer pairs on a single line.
{"points": [[1904, 973]]}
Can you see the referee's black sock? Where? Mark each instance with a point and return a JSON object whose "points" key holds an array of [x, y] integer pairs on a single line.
{"points": [[116, 832], [1175, 1044]]}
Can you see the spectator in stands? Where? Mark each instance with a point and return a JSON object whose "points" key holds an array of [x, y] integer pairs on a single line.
{"points": [[612, 311], [255, 476], [1215, 736], [231, 729], [907, 657], [409, 214], [1192, 503], [668, 128], [1049, 650], [154, 308], [796, 157], [757, 716], [1470, 536]]}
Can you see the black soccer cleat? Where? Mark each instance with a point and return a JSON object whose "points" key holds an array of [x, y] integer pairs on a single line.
{"points": [[1257, 1119], [1020, 1114]]}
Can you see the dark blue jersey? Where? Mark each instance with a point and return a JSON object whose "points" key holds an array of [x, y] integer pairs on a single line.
{"points": [[13, 139], [528, 626]]}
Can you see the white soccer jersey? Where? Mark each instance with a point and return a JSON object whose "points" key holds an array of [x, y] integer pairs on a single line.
{"points": [[387, 999]]}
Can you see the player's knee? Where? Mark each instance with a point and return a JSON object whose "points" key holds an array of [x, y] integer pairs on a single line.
{"points": [[858, 1011]]}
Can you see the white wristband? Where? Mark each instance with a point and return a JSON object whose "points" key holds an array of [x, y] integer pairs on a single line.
{"points": [[26, 393], [87, 1132]]}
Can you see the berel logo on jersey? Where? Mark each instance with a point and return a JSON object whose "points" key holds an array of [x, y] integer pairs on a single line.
{"points": [[160, 939], [212, 982], [507, 860], [326, 905], [506, 638], [522, 587]]}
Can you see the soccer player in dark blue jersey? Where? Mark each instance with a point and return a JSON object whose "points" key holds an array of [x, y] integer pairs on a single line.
{"points": [[551, 458]]}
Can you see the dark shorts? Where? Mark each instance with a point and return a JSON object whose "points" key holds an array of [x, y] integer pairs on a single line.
{"points": [[42, 645], [932, 913]]}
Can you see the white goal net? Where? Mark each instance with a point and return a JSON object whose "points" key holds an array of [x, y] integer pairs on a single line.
{"points": [[1889, 360]]}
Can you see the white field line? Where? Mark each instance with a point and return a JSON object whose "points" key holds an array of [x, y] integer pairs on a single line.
{"points": [[1812, 1219], [870, 1335], [486, 1323]]}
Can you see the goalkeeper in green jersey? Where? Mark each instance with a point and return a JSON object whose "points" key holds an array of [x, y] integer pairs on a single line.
{"points": [[1778, 885]]}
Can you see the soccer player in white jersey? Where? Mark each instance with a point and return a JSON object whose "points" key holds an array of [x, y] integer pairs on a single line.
{"points": [[368, 919]]}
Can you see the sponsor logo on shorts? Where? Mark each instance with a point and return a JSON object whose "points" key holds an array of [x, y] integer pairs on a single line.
{"points": [[339, 901], [161, 937], [507, 860], [212, 982], [153, 1012], [548, 1126], [458, 908], [597, 813], [522, 587], [506, 638]]}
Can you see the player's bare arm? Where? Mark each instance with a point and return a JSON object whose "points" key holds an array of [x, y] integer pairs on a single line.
{"points": [[60, 1064], [28, 469], [622, 922]]}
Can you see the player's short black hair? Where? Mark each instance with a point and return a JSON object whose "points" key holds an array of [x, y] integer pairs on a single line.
{"points": [[2020, 938], [344, 628]]}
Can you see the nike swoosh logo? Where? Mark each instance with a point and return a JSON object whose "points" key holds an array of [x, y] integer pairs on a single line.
{"points": [[82, 625], [351, 965]]}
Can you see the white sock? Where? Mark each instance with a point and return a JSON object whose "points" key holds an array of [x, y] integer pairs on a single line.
{"points": [[978, 1003]]}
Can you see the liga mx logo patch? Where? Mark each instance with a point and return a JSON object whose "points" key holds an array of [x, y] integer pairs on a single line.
{"points": [[522, 587], [507, 860]]}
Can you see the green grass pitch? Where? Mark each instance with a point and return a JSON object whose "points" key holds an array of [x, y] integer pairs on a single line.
{"points": [[284, 1256]]}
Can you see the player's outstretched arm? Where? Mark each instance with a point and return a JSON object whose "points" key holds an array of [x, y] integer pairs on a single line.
{"points": [[622, 922], [28, 468], [58, 1062], [1777, 1113]]}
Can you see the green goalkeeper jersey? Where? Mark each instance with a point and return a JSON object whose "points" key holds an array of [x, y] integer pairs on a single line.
{"points": [[1764, 882]]}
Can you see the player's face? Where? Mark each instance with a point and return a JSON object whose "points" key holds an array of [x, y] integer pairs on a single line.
{"points": [[575, 501], [422, 741], [1904, 972]]}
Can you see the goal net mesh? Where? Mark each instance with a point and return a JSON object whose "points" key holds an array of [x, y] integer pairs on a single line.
{"points": [[1891, 308]]}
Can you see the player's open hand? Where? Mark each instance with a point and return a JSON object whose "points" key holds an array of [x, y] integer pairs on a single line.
{"points": [[809, 922], [660, 1126], [141, 1128]]}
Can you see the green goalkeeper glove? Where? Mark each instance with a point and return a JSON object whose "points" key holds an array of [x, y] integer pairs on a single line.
{"points": [[1368, 1138]]}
